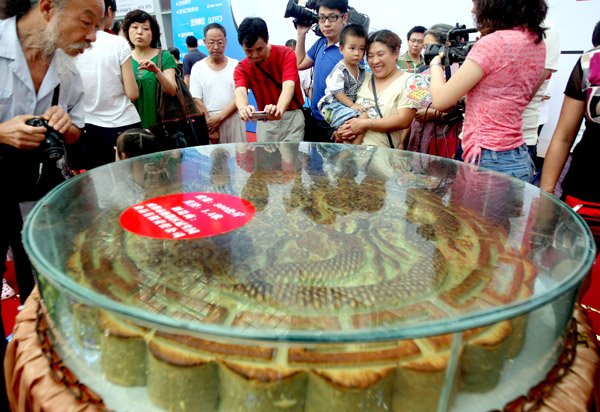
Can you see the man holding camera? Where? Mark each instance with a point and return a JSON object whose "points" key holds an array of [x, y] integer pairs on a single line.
{"points": [[270, 72], [323, 55], [38, 79]]}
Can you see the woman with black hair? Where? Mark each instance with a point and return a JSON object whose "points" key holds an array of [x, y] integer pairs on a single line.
{"points": [[142, 32], [498, 77]]}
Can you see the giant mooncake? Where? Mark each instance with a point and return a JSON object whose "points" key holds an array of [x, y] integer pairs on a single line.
{"points": [[328, 257]]}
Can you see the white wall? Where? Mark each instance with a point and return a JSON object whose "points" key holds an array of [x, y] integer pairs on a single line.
{"points": [[575, 20]]}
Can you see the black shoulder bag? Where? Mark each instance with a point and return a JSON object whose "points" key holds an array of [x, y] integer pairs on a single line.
{"points": [[379, 111], [179, 124]]}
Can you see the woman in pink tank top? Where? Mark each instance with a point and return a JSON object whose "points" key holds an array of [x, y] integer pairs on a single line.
{"points": [[499, 77]]}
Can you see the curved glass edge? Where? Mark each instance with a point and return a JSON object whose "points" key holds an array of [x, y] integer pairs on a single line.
{"points": [[430, 328]]}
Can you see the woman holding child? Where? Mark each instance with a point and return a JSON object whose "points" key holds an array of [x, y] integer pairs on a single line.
{"points": [[384, 95]]}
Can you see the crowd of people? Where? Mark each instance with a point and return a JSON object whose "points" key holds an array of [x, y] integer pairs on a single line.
{"points": [[360, 91]]}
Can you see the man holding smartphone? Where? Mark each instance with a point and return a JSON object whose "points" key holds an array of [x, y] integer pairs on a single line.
{"points": [[271, 73]]}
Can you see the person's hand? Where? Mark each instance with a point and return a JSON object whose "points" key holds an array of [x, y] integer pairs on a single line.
{"points": [[149, 65], [213, 122], [273, 112], [359, 108], [343, 133], [245, 112], [439, 59], [58, 119], [16, 133], [337, 137], [302, 30], [352, 128], [420, 114], [214, 136]]}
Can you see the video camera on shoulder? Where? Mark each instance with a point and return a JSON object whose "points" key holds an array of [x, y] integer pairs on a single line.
{"points": [[456, 47], [53, 146], [304, 16]]}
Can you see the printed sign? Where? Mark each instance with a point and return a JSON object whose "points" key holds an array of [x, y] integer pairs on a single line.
{"points": [[187, 215], [190, 17], [125, 6]]}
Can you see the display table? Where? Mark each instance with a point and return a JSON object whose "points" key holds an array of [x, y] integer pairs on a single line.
{"points": [[32, 387]]}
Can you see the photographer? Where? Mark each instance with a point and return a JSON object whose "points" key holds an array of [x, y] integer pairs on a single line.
{"points": [[32, 67], [323, 55], [498, 78], [270, 72], [430, 124]]}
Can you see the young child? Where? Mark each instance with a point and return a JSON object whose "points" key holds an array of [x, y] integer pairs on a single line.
{"points": [[154, 171], [135, 142], [346, 77]]}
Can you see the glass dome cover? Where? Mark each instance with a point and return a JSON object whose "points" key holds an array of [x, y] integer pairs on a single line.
{"points": [[308, 242]]}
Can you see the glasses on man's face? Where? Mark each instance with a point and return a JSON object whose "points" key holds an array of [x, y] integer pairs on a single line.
{"points": [[332, 18], [212, 43], [417, 41]]}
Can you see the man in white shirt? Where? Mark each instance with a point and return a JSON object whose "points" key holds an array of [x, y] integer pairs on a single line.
{"points": [[110, 86], [213, 88], [532, 111]]}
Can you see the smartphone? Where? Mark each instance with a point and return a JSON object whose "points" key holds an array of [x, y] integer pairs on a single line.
{"points": [[262, 115]]}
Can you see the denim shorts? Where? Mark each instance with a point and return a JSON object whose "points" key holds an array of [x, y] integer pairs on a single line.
{"points": [[337, 113], [516, 163]]}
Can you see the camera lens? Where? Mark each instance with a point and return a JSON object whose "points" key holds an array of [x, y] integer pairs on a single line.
{"points": [[54, 149], [53, 145]]}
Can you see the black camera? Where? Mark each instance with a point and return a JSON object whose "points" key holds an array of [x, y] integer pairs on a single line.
{"points": [[53, 147], [304, 16], [456, 47]]}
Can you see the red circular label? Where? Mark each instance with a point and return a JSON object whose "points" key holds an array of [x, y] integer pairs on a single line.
{"points": [[187, 215]]}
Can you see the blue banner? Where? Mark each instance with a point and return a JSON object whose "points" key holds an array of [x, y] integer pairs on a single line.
{"points": [[189, 17]]}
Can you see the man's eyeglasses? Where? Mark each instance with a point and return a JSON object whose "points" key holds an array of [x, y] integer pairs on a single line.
{"points": [[211, 43], [332, 18], [418, 41]]}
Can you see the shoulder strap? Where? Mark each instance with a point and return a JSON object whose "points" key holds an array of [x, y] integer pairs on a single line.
{"points": [[160, 51], [378, 110], [275, 81], [55, 95]]}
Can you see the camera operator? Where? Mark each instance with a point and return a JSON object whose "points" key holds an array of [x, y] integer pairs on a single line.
{"points": [[498, 78], [430, 124], [323, 55], [32, 67]]}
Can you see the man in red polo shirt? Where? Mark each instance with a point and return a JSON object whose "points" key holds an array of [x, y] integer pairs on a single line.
{"points": [[271, 73]]}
